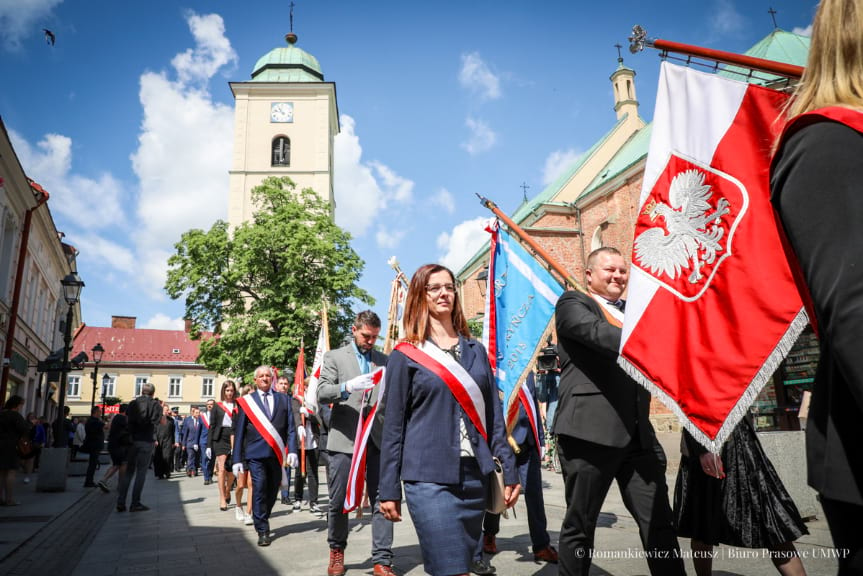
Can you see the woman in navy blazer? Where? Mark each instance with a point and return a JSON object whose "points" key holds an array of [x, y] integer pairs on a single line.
{"points": [[429, 442]]}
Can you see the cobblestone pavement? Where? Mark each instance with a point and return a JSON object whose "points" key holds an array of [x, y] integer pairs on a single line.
{"points": [[78, 532]]}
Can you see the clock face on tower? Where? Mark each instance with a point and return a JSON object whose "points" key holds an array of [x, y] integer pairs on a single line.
{"points": [[282, 112]]}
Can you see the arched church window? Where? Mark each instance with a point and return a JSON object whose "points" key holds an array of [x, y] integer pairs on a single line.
{"points": [[281, 151]]}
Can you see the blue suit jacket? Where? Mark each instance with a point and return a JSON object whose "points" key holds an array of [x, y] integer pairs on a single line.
{"points": [[421, 439], [522, 432], [191, 434], [249, 444]]}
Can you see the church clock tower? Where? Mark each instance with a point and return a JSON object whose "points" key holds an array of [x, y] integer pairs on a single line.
{"points": [[285, 121]]}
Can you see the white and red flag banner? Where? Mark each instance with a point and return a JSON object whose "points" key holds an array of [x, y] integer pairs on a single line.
{"points": [[311, 396], [713, 307], [357, 472]]}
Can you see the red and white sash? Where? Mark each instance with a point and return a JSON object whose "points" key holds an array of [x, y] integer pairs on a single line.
{"points": [[462, 385], [357, 473], [263, 425], [205, 420], [232, 412]]}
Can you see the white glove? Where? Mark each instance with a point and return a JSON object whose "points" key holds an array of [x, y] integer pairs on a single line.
{"points": [[292, 460], [304, 411], [301, 434], [541, 453], [195, 447], [209, 454], [238, 469], [361, 383]]}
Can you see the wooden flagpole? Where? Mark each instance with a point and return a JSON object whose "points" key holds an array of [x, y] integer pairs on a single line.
{"points": [[539, 251], [639, 40]]}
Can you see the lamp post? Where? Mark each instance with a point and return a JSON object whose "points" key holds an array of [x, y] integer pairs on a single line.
{"points": [[97, 351], [482, 281], [72, 285], [105, 381]]}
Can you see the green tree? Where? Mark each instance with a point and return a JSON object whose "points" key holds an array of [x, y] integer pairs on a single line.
{"points": [[260, 289]]}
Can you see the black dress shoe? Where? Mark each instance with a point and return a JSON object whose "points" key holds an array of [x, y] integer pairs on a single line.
{"points": [[264, 539]]}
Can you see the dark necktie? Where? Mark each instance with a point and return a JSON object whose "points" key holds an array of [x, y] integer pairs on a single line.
{"points": [[620, 304], [267, 405]]}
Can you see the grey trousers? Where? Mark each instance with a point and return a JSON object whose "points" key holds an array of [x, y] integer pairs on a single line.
{"points": [[339, 468], [140, 454]]}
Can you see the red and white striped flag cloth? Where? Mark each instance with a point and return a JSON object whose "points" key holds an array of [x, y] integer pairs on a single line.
{"points": [[712, 307], [311, 396]]}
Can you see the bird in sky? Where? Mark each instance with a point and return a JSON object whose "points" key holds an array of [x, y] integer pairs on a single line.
{"points": [[50, 38]]}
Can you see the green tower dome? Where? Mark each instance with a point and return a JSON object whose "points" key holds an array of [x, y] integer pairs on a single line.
{"points": [[288, 64]]}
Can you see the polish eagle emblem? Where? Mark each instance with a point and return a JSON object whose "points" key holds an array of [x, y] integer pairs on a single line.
{"points": [[693, 230]]}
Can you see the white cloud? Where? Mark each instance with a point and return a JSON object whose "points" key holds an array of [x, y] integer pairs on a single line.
{"points": [[462, 243], [389, 238], [21, 18], [803, 31], [97, 248], [91, 203], [358, 196], [476, 76], [444, 199], [164, 322], [725, 19], [398, 188], [557, 163], [184, 150], [481, 137], [212, 51]]}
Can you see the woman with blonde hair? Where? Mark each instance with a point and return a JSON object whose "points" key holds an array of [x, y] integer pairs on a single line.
{"points": [[443, 426], [817, 191], [244, 480]]}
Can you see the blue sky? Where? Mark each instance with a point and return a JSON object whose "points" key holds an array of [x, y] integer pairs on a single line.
{"points": [[128, 119]]}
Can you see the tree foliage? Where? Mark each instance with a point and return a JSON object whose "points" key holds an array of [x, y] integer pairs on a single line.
{"points": [[260, 289]]}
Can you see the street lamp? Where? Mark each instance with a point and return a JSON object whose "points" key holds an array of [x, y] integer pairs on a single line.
{"points": [[97, 351], [482, 281], [105, 381], [72, 285]]}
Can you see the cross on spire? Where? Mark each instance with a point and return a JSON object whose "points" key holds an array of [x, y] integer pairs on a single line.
{"points": [[292, 16], [772, 13], [619, 56], [524, 188]]}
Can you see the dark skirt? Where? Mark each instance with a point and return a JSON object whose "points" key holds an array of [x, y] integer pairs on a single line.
{"points": [[222, 446], [448, 519], [749, 508]]}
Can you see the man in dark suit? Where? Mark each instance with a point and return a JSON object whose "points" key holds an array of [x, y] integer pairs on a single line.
{"points": [[190, 438], [345, 383], [265, 420], [602, 425]]}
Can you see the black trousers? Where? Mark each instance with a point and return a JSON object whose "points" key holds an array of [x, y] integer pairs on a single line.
{"points": [[588, 471], [844, 521]]}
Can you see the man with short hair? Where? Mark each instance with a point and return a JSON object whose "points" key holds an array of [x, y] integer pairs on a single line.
{"points": [[263, 432], [602, 425], [144, 414], [94, 441], [346, 383], [206, 456], [190, 438]]}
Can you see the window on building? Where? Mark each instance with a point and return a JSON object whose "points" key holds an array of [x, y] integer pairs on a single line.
{"points": [[73, 386], [207, 387], [139, 383], [175, 387], [596, 240], [110, 385], [281, 151]]}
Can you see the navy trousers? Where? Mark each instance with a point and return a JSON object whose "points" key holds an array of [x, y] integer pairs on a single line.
{"points": [[266, 477]]}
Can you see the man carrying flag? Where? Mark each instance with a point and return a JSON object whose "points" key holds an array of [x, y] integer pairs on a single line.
{"points": [[348, 381], [602, 425]]}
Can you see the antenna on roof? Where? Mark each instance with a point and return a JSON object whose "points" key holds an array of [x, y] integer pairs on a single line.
{"points": [[772, 13], [619, 56]]}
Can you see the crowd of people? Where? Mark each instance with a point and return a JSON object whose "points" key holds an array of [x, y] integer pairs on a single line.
{"points": [[431, 433]]}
